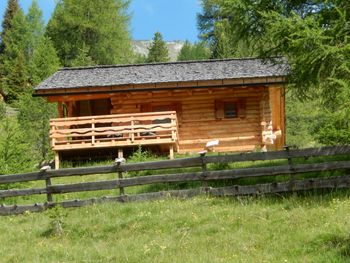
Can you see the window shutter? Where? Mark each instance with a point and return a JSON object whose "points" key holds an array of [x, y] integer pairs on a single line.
{"points": [[242, 108], [219, 109]]}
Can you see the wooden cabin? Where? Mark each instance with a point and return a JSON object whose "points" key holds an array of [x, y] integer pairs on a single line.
{"points": [[178, 106]]}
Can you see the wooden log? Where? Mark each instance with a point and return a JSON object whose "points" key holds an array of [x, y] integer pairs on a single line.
{"points": [[176, 163], [196, 176], [22, 192], [300, 185], [271, 188]]}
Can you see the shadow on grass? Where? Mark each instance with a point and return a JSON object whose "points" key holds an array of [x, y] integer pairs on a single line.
{"points": [[341, 244]]}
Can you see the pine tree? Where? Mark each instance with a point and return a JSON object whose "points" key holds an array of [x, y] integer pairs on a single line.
{"points": [[11, 10], [44, 61], [197, 51], [158, 51], [185, 52], [36, 28], [83, 58], [100, 27], [14, 74]]}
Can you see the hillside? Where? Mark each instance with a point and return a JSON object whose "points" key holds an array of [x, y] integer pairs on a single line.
{"points": [[290, 229], [141, 47]]}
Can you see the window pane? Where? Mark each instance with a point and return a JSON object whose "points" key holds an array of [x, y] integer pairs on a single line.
{"points": [[230, 110]]}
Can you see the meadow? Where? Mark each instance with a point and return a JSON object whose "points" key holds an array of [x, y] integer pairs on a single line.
{"points": [[312, 227]]}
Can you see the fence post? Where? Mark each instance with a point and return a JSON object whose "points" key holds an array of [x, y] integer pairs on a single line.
{"points": [[118, 162], [204, 170], [290, 164], [47, 183]]}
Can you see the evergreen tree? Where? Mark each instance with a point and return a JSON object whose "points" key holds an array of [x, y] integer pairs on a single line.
{"points": [[15, 152], [36, 28], [313, 35], [14, 74], [83, 58], [11, 10], [34, 116], [44, 61], [158, 51], [197, 51], [185, 52], [221, 46], [99, 27]]}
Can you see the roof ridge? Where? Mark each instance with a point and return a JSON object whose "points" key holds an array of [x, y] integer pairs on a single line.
{"points": [[167, 63]]}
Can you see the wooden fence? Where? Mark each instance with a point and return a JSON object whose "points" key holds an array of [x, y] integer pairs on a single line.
{"points": [[293, 163]]}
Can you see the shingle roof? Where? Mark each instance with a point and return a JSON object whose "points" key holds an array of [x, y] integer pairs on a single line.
{"points": [[102, 76]]}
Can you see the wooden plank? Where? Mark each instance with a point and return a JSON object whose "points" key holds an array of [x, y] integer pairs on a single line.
{"points": [[271, 188], [22, 192], [183, 177], [300, 185], [176, 163]]}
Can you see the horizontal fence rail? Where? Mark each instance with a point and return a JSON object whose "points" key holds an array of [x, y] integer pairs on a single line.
{"points": [[286, 168]]}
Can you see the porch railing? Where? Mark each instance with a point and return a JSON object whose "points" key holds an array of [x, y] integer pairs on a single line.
{"points": [[114, 130]]}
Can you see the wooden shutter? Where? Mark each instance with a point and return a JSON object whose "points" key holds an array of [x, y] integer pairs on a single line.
{"points": [[219, 109], [242, 108]]}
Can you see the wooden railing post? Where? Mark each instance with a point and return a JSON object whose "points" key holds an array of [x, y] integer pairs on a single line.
{"points": [[132, 129], [93, 131]]}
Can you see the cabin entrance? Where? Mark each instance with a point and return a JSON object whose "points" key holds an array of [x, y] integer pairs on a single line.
{"points": [[92, 107]]}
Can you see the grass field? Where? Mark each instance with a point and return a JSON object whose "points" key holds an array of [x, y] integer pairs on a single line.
{"points": [[310, 228]]}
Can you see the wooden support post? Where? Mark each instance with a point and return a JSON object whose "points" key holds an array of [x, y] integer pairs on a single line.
{"points": [[57, 160], [171, 151], [49, 196], [120, 153]]}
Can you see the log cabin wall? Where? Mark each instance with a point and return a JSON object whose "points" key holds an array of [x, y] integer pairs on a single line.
{"points": [[197, 114]]}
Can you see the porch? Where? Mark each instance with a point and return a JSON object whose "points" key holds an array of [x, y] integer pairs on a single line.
{"points": [[117, 131]]}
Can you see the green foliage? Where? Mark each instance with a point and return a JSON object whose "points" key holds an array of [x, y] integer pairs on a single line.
{"points": [[139, 59], [11, 10], [96, 27], [2, 110], [83, 58], [14, 74], [334, 128], [312, 35], [34, 115], [300, 121], [35, 28], [15, 152], [197, 51], [44, 61], [57, 215], [158, 51]]}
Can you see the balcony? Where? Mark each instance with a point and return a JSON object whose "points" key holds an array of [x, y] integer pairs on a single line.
{"points": [[118, 131]]}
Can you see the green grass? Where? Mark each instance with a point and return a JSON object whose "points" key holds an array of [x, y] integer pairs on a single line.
{"points": [[308, 228]]}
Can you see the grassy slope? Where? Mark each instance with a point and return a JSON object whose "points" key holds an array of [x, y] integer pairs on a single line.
{"points": [[290, 229]]}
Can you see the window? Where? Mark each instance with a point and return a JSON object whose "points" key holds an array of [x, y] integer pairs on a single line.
{"points": [[230, 110]]}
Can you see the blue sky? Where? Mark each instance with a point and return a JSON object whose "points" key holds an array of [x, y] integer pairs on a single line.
{"points": [[175, 19]]}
